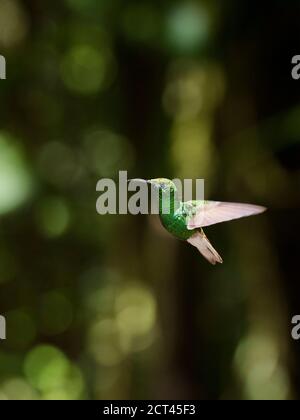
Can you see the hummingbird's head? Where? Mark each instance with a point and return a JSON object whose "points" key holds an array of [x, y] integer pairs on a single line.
{"points": [[163, 184], [167, 193]]}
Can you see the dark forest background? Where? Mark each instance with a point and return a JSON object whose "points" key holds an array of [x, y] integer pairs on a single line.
{"points": [[112, 306]]}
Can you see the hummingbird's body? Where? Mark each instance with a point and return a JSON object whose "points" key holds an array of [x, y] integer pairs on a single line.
{"points": [[185, 220]]}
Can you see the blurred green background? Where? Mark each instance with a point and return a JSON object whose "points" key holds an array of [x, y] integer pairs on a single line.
{"points": [[112, 307]]}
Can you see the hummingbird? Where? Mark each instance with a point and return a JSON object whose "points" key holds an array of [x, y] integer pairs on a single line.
{"points": [[186, 220]]}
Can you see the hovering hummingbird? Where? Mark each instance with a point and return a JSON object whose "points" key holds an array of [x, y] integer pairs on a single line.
{"points": [[185, 220]]}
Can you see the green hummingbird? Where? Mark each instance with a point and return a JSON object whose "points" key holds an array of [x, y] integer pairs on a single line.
{"points": [[185, 220]]}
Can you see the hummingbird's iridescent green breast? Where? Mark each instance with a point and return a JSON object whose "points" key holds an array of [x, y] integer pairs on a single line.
{"points": [[175, 223]]}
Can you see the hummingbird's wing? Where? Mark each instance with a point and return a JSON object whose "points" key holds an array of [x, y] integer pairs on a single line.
{"points": [[206, 213]]}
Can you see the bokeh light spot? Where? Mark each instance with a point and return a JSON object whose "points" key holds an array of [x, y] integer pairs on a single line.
{"points": [[53, 216], [67, 163], [84, 69], [193, 139], [13, 23], [72, 387], [103, 343], [257, 363], [136, 317], [46, 368], [15, 180], [17, 389], [108, 152], [187, 27]]}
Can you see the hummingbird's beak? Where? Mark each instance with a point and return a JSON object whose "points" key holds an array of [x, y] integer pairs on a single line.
{"points": [[139, 180]]}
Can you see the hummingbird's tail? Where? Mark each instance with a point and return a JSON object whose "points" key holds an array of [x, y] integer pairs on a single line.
{"points": [[200, 241]]}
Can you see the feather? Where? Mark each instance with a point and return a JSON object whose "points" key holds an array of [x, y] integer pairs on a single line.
{"points": [[200, 241], [211, 212]]}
